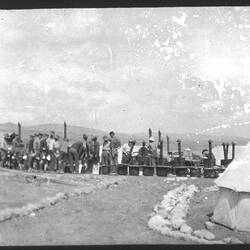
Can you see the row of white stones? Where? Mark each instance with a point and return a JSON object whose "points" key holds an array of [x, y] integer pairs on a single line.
{"points": [[9, 213]]}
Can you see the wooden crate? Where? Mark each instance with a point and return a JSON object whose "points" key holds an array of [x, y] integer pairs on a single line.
{"points": [[148, 171], [210, 173], [134, 170], [122, 169], [105, 170], [163, 171], [195, 172]]}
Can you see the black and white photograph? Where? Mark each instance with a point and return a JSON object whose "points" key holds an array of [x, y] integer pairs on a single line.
{"points": [[125, 126]]}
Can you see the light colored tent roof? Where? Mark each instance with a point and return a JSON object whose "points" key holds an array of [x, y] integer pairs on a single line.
{"points": [[219, 155], [237, 174]]}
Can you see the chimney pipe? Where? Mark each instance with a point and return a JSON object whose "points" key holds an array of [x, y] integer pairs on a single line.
{"points": [[159, 136], [226, 147], [168, 148], [19, 129], [225, 150], [149, 132], [210, 153], [65, 130], [179, 151], [233, 150]]}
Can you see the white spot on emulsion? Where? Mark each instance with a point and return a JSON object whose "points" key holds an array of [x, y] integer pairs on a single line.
{"points": [[181, 20]]}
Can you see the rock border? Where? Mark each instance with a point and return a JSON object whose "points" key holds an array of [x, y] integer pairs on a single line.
{"points": [[9, 213], [168, 217]]}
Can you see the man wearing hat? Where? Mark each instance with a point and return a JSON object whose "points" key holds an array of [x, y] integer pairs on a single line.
{"points": [[57, 148], [115, 144], [106, 157], [51, 151], [143, 154], [152, 148], [30, 151], [126, 148], [51, 141], [43, 142], [36, 144]]}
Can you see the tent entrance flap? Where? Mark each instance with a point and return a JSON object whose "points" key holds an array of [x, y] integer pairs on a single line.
{"points": [[232, 210]]}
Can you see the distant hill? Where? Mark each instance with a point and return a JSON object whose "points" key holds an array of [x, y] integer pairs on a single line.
{"points": [[195, 142]]}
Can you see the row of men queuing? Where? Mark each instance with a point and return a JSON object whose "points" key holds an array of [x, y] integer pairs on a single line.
{"points": [[85, 152]]}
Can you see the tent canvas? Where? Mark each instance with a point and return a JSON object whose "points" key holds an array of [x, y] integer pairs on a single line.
{"points": [[219, 155], [233, 206]]}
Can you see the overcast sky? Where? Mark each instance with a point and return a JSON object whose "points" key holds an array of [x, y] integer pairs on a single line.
{"points": [[175, 69]]}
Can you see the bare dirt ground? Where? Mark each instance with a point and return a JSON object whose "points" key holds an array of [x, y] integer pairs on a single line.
{"points": [[114, 215]]}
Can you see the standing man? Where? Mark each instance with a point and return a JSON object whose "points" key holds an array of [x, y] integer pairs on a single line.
{"points": [[64, 154], [106, 157], [36, 147], [57, 150], [43, 142], [143, 154], [126, 151], [30, 151], [115, 144], [86, 152], [152, 148], [93, 153], [51, 147]]}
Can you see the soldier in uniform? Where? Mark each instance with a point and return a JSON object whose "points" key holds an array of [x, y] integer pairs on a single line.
{"points": [[115, 144], [126, 151], [64, 154], [93, 153], [36, 147], [43, 142], [51, 149], [152, 148], [30, 151], [57, 150], [143, 154], [78, 152], [106, 157]]}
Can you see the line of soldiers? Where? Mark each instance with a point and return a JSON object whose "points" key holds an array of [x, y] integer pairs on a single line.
{"points": [[50, 152]]}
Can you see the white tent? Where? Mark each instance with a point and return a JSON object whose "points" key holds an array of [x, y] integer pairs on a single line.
{"points": [[219, 155], [233, 206]]}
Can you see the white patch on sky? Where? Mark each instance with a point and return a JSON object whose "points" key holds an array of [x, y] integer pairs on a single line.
{"points": [[181, 20], [247, 108], [242, 38]]}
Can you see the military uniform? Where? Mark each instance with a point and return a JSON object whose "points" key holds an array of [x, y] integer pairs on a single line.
{"points": [[143, 156], [106, 157], [115, 144], [64, 149], [76, 152], [94, 157]]}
